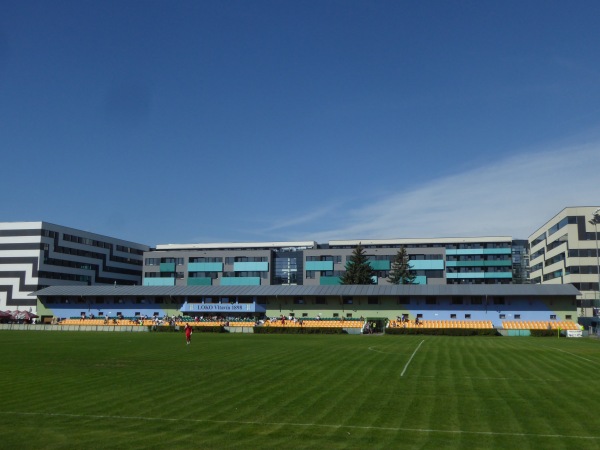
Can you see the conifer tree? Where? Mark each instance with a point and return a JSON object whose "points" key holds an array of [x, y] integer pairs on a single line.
{"points": [[358, 269], [400, 272]]}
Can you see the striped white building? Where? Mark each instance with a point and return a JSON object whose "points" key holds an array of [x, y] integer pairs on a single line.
{"points": [[34, 255], [565, 251]]}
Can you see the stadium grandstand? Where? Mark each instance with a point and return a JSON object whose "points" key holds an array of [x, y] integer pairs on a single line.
{"points": [[349, 307]]}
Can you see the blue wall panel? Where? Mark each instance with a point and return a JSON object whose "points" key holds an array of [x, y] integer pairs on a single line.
{"points": [[205, 267], [159, 281], [427, 264], [240, 281], [318, 265], [250, 266]]}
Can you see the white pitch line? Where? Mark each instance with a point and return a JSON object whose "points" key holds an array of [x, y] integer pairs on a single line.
{"points": [[411, 357], [572, 354], [293, 424]]}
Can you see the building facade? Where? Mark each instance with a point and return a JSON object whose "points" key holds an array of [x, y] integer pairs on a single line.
{"points": [[565, 251], [34, 255], [483, 260]]}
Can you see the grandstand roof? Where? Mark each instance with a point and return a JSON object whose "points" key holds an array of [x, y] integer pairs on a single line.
{"points": [[414, 290]]}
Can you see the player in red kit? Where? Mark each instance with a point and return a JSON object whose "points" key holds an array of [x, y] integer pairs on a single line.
{"points": [[188, 333]]}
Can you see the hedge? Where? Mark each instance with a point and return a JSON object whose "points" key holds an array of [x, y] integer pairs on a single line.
{"points": [[179, 329], [298, 330], [544, 333]]}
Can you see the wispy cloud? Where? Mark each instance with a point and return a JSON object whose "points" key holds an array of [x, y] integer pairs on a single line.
{"points": [[308, 217], [510, 197]]}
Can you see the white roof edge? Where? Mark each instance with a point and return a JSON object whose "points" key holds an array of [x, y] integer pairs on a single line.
{"points": [[236, 245], [448, 240], [20, 225]]}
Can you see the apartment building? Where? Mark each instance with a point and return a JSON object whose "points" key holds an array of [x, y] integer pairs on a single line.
{"points": [[35, 255], [565, 251], [482, 260]]}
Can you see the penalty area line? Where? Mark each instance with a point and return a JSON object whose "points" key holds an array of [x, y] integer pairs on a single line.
{"points": [[411, 357], [572, 354], [294, 424]]}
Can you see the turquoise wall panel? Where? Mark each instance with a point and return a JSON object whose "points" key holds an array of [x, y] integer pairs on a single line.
{"points": [[380, 264], [205, 267], [497, 251], [507, 263], [427, 264], [420, 279], [159, 281], [240, 281], [329, 280], [318, 265], [199, 281], [498, 275], [251, 266], [519, 332], [167, 267]]}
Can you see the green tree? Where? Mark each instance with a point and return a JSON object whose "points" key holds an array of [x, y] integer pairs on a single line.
{"points": [[400, 272], [358, 269]]}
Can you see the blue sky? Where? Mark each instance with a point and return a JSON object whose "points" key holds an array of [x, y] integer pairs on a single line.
{"points": [[222, 121]]}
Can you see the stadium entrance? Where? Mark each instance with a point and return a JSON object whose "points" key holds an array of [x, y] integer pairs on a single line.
{"points": [[376, 325]]}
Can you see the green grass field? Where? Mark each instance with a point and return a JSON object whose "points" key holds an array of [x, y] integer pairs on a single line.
{"points": [[150, 390]]}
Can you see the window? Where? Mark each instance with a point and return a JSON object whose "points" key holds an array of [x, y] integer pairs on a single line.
{"points": [[453, 316], [298, 301], [348, 300], [503, 316], [373, 300], [517, 316], [457, 300], [467, 316], [431, 300], [320, 301], [348, 315], [420, 316], [552, 316], [568, 317], [336, 315], [304, 314]]}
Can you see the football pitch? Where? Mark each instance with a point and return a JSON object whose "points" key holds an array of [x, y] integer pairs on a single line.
{"points": [[151, 390]]}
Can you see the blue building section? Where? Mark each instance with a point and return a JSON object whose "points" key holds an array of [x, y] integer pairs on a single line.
{"points": [[526, 309]]}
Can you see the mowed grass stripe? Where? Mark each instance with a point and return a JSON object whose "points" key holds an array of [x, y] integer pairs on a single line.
{"points": [[293, 391]]}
